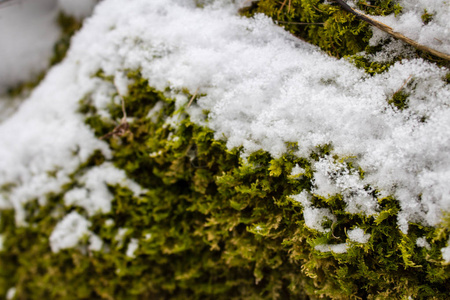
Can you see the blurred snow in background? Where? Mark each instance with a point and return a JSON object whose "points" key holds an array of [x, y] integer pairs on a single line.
{"points": [[28, 32]]}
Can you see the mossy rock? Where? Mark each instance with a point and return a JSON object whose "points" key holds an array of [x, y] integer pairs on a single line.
{"points": [[211, 225]]}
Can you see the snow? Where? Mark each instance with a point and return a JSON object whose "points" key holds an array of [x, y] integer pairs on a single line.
{"points": [[11, 293], [297, 170], [446, 253], [314, 217], [28, 32], [263, 88], [336, 248], [121, 236], [78, 8], [69, 231], [132, 247], [92, 192], [357, 235], [95, 243], [422, 242]]}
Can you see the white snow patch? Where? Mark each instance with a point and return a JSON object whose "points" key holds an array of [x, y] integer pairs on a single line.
{"points": [[94, 195], [336, 248], [69, 231], [422, 242], [132, 247], [297, 170], [120, 236], [95, 243], [446, 253], [11, 293], [314, 217], [357, 235], [109, 222]]}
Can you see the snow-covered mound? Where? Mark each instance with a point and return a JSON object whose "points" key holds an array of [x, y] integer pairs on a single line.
{"points": [[263, 88]]}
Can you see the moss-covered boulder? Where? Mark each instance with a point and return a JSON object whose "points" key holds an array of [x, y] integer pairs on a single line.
{"points": [[148, 196]]}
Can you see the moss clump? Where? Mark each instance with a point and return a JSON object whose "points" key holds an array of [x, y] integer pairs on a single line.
{"points": [[69, 26], [323, 23], [211, 225], [426, 17]]}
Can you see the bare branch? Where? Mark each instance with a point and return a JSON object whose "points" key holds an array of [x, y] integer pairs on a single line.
{"points": [[391, 31]]}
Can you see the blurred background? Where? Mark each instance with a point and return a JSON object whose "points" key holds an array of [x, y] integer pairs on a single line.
{"points": [[29, 33]]}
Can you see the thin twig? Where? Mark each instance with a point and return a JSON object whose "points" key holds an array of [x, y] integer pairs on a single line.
{"points": [[391, 31], [123, 126], [193, 97], [282, 6], [403, 85]]}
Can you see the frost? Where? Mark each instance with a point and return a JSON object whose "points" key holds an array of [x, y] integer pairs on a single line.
{"points": [[357, 235], [68, 232], [422, 242], [132, 247], [336, 248]]}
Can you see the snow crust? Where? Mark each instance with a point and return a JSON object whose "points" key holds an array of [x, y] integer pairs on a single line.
{"points": [[263, 88]]}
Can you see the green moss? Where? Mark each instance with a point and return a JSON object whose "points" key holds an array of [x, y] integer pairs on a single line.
{"points": [[323, 23], [69, 26], [213, 226], [399, 100], [426, 17]]}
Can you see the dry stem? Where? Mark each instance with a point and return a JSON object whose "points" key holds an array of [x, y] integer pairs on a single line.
{"points": [[391, 31]]}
